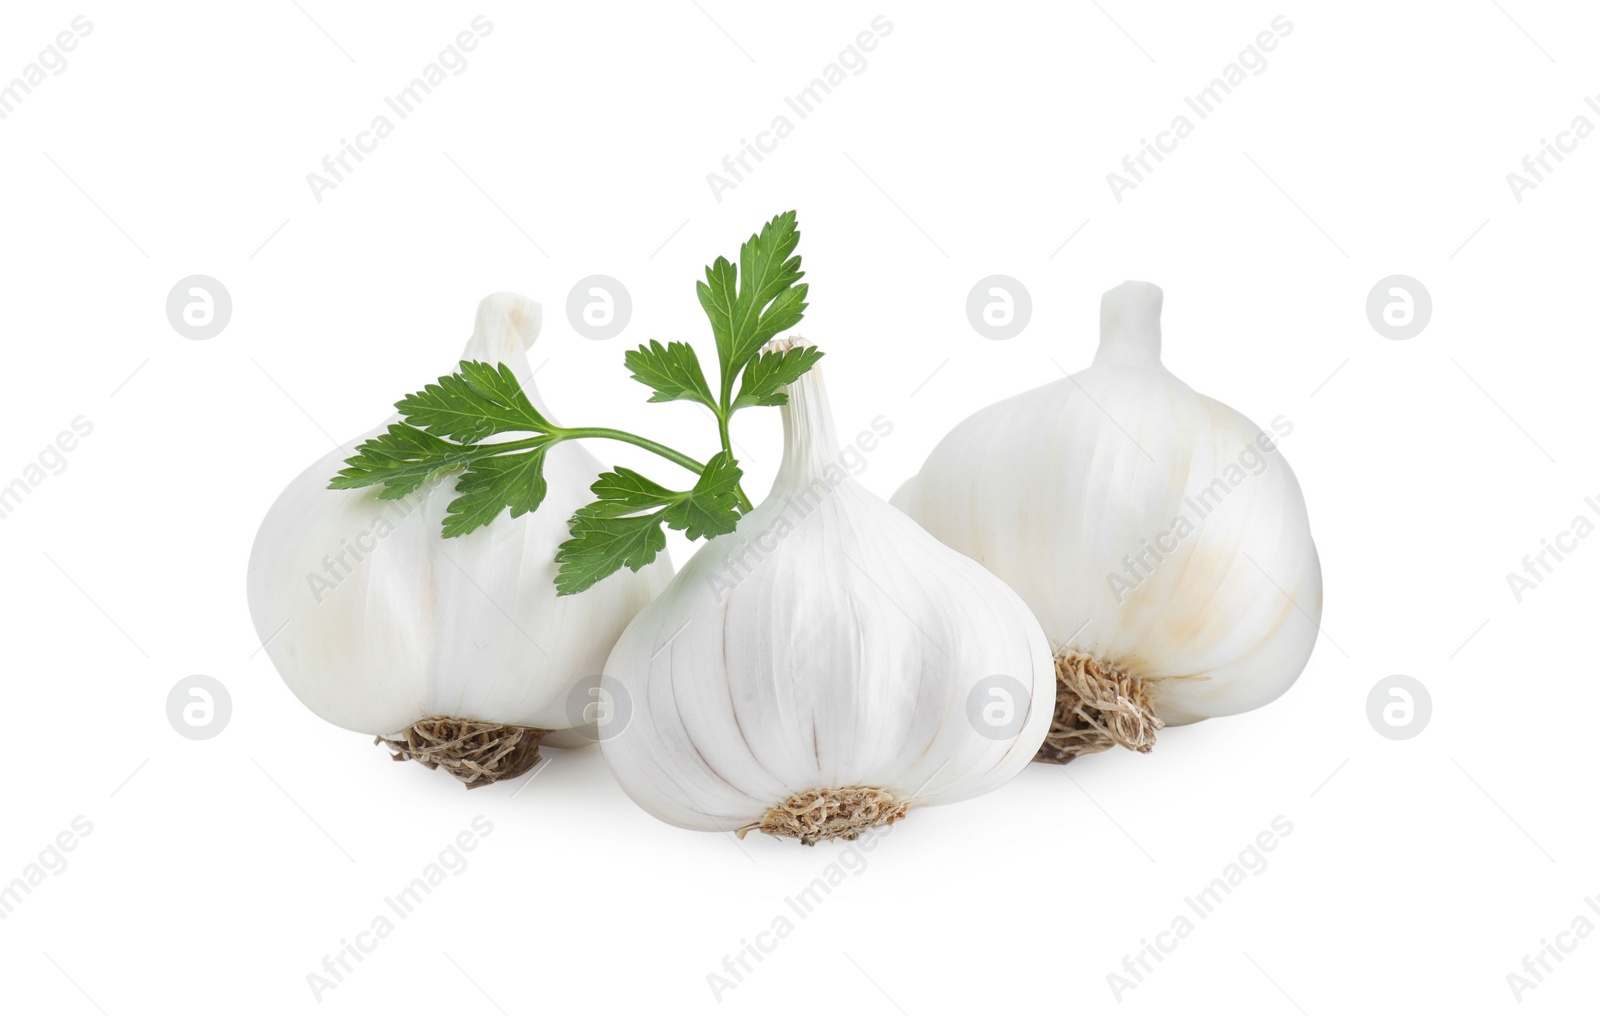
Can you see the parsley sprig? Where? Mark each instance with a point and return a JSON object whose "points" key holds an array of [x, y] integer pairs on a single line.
{"points": [[448, 426]]}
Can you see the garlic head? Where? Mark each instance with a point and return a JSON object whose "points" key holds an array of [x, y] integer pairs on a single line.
{"points": [[826, 666], [456, 652], [1159, 536]]}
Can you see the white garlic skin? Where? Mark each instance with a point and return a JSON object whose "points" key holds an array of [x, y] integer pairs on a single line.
{"points": [[420, 627], [1048, 493], [844, 657]]}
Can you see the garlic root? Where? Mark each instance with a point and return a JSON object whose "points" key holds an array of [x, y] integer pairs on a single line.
{"points": [[477, 754], [1098, 705], [843, 814]]}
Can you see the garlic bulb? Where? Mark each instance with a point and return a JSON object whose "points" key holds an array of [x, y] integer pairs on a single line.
{"points": [[457, 653], [1157, 534], [826, 666]]}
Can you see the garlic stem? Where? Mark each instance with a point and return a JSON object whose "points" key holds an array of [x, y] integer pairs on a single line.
{"points": [[810, 442], [1130, 326]]}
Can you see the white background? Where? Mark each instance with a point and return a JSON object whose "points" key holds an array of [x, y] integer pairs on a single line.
{"points": [[1377, 140]]}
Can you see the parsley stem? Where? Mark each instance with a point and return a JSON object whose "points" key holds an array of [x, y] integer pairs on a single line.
{"points": [[607, 433], [727, 446]]}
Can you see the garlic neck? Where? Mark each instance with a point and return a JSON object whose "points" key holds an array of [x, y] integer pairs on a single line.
{"points": [[503, 331], [810, 443], [1130, 326]]}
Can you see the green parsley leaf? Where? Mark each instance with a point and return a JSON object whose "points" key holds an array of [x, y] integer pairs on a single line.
{"points": [[672, 370], [478, 400], [444, 426], [493, 484], [771, 371], [623, 528], [600, 546], [711, 508], [402, 459], [625, 492], [762, 298]]}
